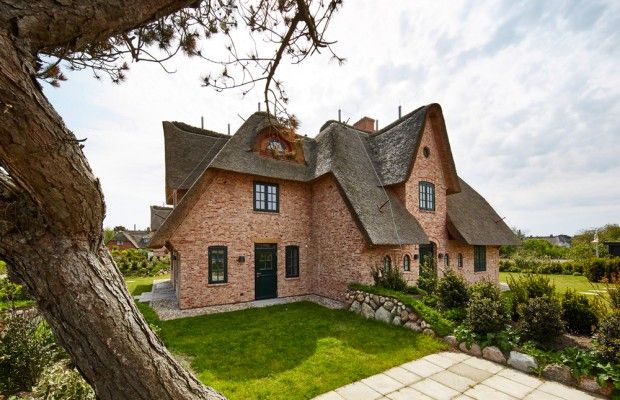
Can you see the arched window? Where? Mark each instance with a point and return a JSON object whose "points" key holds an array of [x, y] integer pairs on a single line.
{"points": [[460, 260], [446, 259], [387, 263], [406, 263]]}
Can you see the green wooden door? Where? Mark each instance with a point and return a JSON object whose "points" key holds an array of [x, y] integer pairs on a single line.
{"points": [[427, 255], [266, 279]]}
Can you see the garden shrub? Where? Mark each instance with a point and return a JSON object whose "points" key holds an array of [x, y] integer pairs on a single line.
{"points": [[12, 292], [614, 296], [60, 381], [577, 313], [456, 314], [2, 267], [389, 279], [135, 262], [527, 287], [485, 315], [26, 349], [596, 270], [607, 338], [485, 289], [603, 269], [452, 291], [427, 280], [540, 319]]}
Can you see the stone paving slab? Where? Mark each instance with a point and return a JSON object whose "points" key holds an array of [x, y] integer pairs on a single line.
{"points": [[454, 376]]}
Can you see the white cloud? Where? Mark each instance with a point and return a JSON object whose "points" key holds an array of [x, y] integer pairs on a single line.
{"points": [[530, 93]]}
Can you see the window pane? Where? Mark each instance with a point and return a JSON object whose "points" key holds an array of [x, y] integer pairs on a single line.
{"points": [[292, 261], [217, 264]]}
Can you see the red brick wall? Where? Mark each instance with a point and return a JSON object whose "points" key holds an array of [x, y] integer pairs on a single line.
{"points": [[224, 215], [339, 243]]}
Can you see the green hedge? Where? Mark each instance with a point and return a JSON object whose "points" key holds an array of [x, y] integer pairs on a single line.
{"points": [[433, 317], [595, 269]]}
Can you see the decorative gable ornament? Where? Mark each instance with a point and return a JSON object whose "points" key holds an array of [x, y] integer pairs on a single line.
{"points": [[280, 143]]}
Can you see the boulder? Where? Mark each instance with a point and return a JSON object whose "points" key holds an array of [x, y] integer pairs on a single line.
{"points": [[413, 316], [404, 316], [559, 373], [383, 315], [413, 326], [494, 354], [396, 321], [428, 332], [522, 362], [451, 340], [359, 297], [373, 304], [367, 311], [474, 350], [388, 305], [356, 307], [589, 384]]}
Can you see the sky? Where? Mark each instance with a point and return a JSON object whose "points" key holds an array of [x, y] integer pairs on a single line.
{"points": [[530, 92]]}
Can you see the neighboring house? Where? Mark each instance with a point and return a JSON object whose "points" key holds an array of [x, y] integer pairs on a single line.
{"points": [[130, 240], [614, 248], [267, 213], [559, 240]]}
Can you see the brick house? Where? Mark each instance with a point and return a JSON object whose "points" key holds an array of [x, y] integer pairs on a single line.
{"points": [[129, 240], [267, 213]]}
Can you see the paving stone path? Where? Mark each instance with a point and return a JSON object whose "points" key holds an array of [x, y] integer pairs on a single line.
{"points": [[448, 375]]}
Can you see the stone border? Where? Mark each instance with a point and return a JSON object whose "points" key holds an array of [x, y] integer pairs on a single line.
{"points": [[526, 363], [386, 309]]}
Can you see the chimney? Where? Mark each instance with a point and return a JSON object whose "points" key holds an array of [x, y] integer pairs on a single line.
{"points": [[365, 124]]}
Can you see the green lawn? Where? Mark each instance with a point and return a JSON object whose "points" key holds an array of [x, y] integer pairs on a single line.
{"points": [[563, 282], [139, 285], [291, 351]]}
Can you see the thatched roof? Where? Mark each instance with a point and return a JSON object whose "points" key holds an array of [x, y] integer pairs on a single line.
{"points": [[472, 220], [362, 164], [158, 216], [139, 239], [188, 152]]}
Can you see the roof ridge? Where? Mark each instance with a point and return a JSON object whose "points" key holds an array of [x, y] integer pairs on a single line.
{"points": [[195, 130], [398, 121]]}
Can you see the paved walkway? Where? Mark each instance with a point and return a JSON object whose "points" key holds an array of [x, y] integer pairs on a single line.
{"points": [[163, 300], [448, 375]]}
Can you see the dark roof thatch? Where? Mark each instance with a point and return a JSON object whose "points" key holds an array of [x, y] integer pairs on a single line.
{"points": [[188, 152], [472, 220], [158, 216], [362, 164]]}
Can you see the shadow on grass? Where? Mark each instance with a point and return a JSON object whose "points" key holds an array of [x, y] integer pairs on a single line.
{"points": [[141, 288], [260, 343]]}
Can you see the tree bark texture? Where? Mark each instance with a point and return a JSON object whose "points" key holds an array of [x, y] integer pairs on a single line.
{"points": [[52, 209]]}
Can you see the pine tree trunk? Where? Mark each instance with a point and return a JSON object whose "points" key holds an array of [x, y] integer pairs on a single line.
{"points": [[51, 214]]}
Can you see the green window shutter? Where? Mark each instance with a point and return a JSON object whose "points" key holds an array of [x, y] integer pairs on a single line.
{"points": [[480, 258]]}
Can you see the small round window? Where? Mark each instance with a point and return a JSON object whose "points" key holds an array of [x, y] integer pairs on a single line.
{"points": [[426, 151]]}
